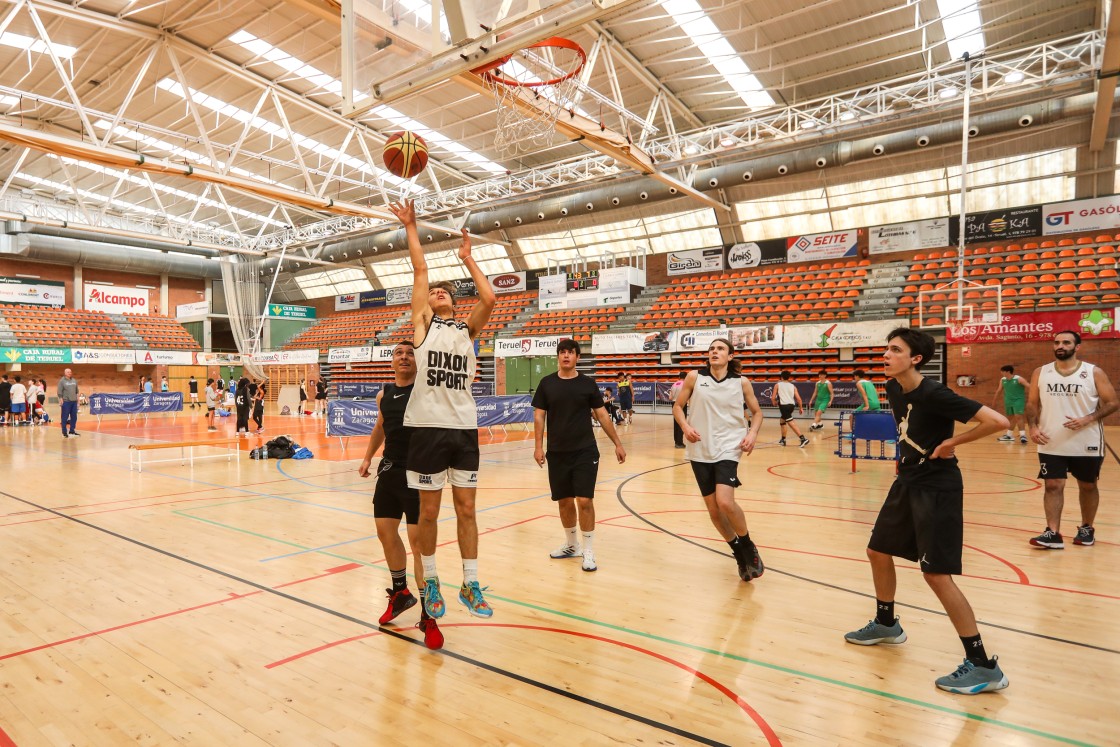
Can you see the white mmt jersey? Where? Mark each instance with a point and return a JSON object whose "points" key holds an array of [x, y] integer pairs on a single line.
{"points": [[1064, 397], [445, 365], [715, 409], [787, 393]]}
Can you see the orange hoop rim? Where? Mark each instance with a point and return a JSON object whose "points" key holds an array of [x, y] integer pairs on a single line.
{"points": [[488, 71]]}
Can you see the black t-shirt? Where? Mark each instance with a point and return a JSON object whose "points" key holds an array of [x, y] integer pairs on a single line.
{"points": [[193, 386], [6, 393], [925, 418], [241, 398], [393, 401], [568, 403]]}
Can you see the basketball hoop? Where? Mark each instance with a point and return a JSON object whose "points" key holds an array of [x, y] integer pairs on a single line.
{"points": [[530, 88]]}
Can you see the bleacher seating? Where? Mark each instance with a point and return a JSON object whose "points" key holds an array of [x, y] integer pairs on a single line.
{"points": [[347, 328], [162, 333], [579, 323], [1075, 272], [35, 326]]}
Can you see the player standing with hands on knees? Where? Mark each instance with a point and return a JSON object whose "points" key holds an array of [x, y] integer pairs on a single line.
{"points": [[560, 406], [922, 518], [716, 434], [441, 410]]}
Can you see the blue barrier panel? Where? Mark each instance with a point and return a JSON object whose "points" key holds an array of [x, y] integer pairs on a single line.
{"points": [[347, 418], [135, 404], [857, 431], [517, 408], [482, 389]]}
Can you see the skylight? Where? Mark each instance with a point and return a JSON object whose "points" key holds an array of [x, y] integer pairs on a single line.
{"points": [[333, 282], [710, 40], [963, 30], [19, 41], [276, 131], [6, 101], [296, 67]]}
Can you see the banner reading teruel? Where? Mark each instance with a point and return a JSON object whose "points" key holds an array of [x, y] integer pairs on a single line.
{"points": [[1097, 324]]}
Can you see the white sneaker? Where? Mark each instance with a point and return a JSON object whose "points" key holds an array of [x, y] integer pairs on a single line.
{"points": [[589, 561], [567, 551]]}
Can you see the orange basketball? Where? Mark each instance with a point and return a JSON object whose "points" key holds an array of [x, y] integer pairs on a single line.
{"points": [[405, 154]]}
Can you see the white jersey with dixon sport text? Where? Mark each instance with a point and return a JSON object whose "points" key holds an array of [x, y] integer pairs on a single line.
{"points": [[445, 366], [1063, 397]]}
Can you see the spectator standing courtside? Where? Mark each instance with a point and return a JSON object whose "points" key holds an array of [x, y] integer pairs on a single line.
{"points": [[1066, 407], [148, 385], [626, 398], [211, 404], [192, 387], [68, 398], [258, 406], [19, 401], [5, 399]]}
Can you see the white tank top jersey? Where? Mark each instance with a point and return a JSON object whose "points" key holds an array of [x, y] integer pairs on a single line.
{"points": [[787, 393], [445, 365], [1073, 396], [715, 409]]}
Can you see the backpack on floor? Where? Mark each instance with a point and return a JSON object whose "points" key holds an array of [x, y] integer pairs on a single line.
{"points": [[280, 447]]}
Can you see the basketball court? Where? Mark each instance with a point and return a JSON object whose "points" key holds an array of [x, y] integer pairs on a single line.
{"points": [[237, 604]]}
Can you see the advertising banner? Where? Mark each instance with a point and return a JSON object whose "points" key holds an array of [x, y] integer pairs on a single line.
{"points": [[762, 337], [614, 286], [756, 254], [513, 347], [464, 288], [218, 359], [286, 357], [35, 355], [395, 296], [102, 355], [371, 299], [645, 392], [347, 418], [693, 261], [553, 288], [351, 355], [197, 310], [905, 237], [165, 357], [1102, 213], [113, 299], [135, 404], [288, 311], [1098, 324], [359, 389], [516, 408], [994, 225], [623, 342], [347, 302], [30, 291], [821, 246], [829, 335], [379, 353], [694, 340], [509, 282], [482, 389]]}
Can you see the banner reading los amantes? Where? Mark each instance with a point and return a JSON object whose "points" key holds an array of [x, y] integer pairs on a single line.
{"points": [[1097, 324]]}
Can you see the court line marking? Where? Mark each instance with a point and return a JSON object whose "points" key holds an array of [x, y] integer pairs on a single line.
{"points": [[642, 634], [765, 728], [363, 623]]}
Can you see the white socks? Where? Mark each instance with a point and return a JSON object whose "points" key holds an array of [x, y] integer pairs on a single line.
{"points": [[573, 541], [429, 562], [588, 538], [470, 570]]}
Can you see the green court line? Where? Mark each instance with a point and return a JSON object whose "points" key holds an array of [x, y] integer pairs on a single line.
{"points": [[734, 657]]}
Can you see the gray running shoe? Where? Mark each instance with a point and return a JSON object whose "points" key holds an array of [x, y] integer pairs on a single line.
{"points": [[874, 632], [970, 679], [1085, 536]]}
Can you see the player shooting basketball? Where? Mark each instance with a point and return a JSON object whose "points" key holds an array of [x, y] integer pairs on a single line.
{"points": [[444, 447]]}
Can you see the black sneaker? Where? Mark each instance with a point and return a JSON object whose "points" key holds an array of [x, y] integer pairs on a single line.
{"points": [[781, 442], [399, 601], [743, 562], [755, 568], [804, 442], [1048, 540], [1085, 536]]}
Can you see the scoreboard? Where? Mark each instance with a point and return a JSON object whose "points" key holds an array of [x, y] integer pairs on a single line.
{"points": [[583, 281]]}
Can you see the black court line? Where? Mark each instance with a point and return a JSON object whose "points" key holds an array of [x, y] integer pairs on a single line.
{"points": [[387, 631], [770, 569]]}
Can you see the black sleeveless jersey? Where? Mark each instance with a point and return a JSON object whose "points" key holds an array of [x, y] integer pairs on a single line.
{"points": [[394, 399]]}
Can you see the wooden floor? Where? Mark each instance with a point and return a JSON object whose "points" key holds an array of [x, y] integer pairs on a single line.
{"points": [[236, 604]]}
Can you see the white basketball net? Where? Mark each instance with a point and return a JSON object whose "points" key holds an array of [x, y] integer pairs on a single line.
{"points": [[527, 111]]}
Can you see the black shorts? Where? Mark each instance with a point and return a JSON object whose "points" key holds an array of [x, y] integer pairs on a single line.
{"points": [[710, 474], [573, 474], [924, 526], [786, 412], [437, 456], [392, 497], [1056, 466], [626, 400]]}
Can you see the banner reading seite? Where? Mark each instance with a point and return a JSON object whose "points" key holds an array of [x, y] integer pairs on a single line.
{"points": [[1097, 324]]}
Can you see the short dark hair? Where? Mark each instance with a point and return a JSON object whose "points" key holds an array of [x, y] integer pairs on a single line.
{"points": [[1008, 369], [822, 372], [920, 343], [1076, 335], [682, 375], [859, 373], [785, 375], [566, 345], [209, 382], [409, 343]]}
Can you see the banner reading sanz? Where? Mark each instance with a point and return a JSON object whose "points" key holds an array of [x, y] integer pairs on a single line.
{"points": [[135, 404]]}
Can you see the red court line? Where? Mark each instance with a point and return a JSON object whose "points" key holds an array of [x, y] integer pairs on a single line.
{"points": [[765, 728], [1022, 576], [5, 740]]}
